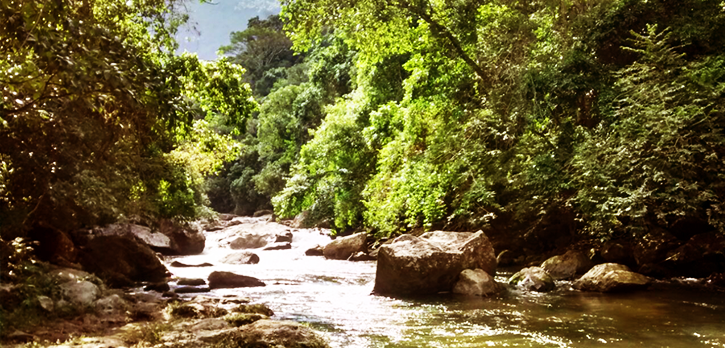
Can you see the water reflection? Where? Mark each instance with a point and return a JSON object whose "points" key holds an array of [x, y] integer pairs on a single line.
{"points": [[334, 297]]}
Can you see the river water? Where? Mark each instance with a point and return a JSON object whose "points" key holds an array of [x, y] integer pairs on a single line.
{"points": [[334, 297]]}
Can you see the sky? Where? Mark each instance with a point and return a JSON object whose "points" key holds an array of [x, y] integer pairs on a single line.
{"points": [[211, 23]]}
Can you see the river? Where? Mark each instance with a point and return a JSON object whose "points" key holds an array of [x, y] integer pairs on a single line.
{"points": [[334, 297]]}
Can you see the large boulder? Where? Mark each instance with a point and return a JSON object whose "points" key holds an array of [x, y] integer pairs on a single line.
{"points": [[187, 239], [431, 263], [241, 258], [568, 265], [220, 280], [475, 282], [611, 277], [274, 334], [54, 246], [81, 293], [257, 235], [121, 261], [155, 240], [533, 279], [344, 247]]}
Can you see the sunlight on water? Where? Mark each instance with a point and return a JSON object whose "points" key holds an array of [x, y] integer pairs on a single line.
{"points": [[335, 298]]}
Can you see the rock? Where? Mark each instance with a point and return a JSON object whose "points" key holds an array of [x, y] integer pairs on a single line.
{"points": [[109, 305], [179, 264], [239, 319], [361, 256], [300, 220], [210, 324], [254, 308], [533, 279], [218, 280], [191, 281], [158, 286], [263, 212], [505, 258], [567, 266], [121, 261], [80, 293], [475, 282], [156, 241], [259, 235], [241, 258], [272, 333], [618, 252], [191, 289], [654, 246], [284, 237], [46, 303], [64, 275], [610, 277], [278, 246], [431, 263], [227, 217], [187, 239], [315, 251], [53, 245], [344, 247]]}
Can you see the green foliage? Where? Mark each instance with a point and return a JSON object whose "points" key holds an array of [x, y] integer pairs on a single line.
{"points": [[521, 115], [93, 100], [660, 156]]}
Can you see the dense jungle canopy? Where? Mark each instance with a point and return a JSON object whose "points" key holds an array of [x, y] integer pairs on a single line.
{"points": [[595, 118]]}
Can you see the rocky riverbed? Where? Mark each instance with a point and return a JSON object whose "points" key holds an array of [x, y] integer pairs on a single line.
{"points": [[260, 281]]}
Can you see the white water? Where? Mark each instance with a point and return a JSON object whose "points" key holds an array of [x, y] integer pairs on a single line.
{"points": [[335, 297]]}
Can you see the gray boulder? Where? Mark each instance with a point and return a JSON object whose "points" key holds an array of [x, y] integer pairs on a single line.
{"points": [[241, 258], [533, 279], [80, 293], [112, 304], [258, 235], [315, 251], [156, 241], [344, 247], [219, 280], [431, 263], [186, 239], [611, 277], [567, 266], [475, 282], [278, 246], [271, 333]]}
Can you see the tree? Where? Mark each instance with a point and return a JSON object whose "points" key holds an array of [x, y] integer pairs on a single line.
{"points": [[93, 100]]}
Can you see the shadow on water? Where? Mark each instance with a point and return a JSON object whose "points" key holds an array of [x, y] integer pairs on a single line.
{"points": [[335, 297]]}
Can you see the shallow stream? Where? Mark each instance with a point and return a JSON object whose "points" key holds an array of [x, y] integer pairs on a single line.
{"points": [[335, 297]]}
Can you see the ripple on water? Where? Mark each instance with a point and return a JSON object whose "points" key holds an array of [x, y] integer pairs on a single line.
{"points": [[335, 298]]}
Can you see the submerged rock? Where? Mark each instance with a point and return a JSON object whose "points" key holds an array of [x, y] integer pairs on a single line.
{"points": [[271, 333], [567, 266], [610, 277], [431, 263], [315, 251], [180, 264], [344, 247], [191, 281], [533, 279], [241, 258], [218, 280], [278, 246], [475, 282], [361, 256]]}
